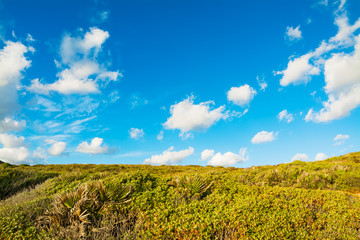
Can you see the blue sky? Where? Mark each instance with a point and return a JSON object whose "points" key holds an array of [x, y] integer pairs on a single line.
{"points": [[222, 83]]}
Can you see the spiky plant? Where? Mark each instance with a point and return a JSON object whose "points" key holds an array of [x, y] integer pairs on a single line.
{"points": [[74, 213], [197, 186]]}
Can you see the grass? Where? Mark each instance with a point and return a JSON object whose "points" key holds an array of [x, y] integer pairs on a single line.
{"points": [[298, 200]]}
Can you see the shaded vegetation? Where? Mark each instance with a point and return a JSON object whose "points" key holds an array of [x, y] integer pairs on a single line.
{"points": [[298, 200]]}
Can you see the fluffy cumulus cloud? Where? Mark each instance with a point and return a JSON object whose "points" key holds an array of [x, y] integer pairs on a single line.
{"points": [[284, 115], [12, 65], [13, 150], [81, 72], [169, 156], [14, 155], [207, 153], [57, 148], [320, 157], [340, 139], [187, 116], [9, 124], [299, 70], [11, 141], [95, 147], [339, 59], [241, 95], [228, 158], [263, 137], [136, 133], [301, 157], [293, 34], [342, 77]]}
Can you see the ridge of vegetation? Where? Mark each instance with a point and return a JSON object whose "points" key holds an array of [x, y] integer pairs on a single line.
{"points": [[298, 200]]}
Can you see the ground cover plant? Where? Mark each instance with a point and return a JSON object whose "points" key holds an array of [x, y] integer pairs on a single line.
{"points": [[298, 200]]}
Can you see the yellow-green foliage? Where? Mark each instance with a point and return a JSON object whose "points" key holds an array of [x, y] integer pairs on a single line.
{"points": [[315, 200]]}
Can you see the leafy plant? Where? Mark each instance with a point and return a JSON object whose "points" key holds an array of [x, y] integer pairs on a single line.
{"points": [[195, 187], [76, 212]]}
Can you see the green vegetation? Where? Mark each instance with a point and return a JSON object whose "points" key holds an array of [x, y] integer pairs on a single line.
{"points": [[298, 200]]}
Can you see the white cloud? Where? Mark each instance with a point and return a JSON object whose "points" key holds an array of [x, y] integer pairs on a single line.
{"points": [[320, 157], [345, 34], [8, 125], [341, 5], [342, 77], [263, 137], [51, 139], [341, 70], [54, 127], [228, 158], [30, 38], [14, 155], [293, 33], [44, 104], [207, 153], [93, 148], [39, 154], [160, 136], [81, 73], [301, 157], [136, 133], [57, 148], [78, 105], [341, 137], [169, 156], [114, 96], [262, 83], [241, 95], [12, 65], [91, 41], [299, 70], [38, 87], [12, 62], [187, 116], [77, 126], [286, 116], [11, 141]]}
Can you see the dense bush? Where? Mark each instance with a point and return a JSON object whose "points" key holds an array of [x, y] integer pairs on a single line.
{"points": [[14, 179], [315, 200]]}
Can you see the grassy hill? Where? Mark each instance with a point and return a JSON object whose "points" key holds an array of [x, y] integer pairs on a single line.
{"points": [[298, 200]]}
